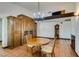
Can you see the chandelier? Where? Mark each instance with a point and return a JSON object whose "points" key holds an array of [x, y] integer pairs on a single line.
{"points": [[38, 15]]}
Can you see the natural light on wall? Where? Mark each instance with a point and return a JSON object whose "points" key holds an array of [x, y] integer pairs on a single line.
{"points": [[76, 13]]}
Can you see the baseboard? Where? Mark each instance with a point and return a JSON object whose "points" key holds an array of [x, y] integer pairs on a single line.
{"points": [[53, 38], [65, 38], [44, 37], [5, 47]]}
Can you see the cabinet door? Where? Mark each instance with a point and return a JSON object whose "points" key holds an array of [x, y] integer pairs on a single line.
{"points": [[10, 32], [26, 26], [16, 32], [35, 30], [23, 29]]}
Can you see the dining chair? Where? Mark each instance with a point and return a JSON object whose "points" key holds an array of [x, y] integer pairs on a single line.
{"points": [[25, 37], [48, 50], [34, 50]]}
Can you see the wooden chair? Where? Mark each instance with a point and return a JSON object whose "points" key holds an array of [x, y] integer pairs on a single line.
{"points": [[33, 50], [48, 50]]}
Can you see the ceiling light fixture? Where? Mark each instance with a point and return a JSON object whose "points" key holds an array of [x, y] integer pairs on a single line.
{"points": [[38, 15]]}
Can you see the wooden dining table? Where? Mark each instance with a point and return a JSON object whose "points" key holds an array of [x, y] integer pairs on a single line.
{"points": [[37, 42]]}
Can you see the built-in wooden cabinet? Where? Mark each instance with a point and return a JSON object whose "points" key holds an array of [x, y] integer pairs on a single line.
{"points": [[20, 28]]}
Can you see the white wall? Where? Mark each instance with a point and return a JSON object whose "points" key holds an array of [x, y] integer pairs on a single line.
{"points": [[65, 29], [0, 29], [46, 28]]}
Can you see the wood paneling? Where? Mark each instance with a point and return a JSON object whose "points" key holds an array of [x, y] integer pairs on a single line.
{"points": [[16, 32], [16, 28]]}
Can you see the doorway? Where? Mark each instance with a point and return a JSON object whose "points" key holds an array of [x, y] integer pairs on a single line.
{"points": [[56, 28]]}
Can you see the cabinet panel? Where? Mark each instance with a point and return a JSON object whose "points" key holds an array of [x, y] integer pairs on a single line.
{"points": [[16, 32], [10, 31]]}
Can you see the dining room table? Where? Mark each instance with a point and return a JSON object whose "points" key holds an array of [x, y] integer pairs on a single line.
{"points": [[37, 42]]}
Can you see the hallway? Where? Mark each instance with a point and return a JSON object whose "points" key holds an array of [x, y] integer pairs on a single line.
{"points": [[62, 49]]}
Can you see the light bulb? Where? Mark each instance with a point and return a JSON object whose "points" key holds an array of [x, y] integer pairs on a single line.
{"points": [[38, 13]]}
